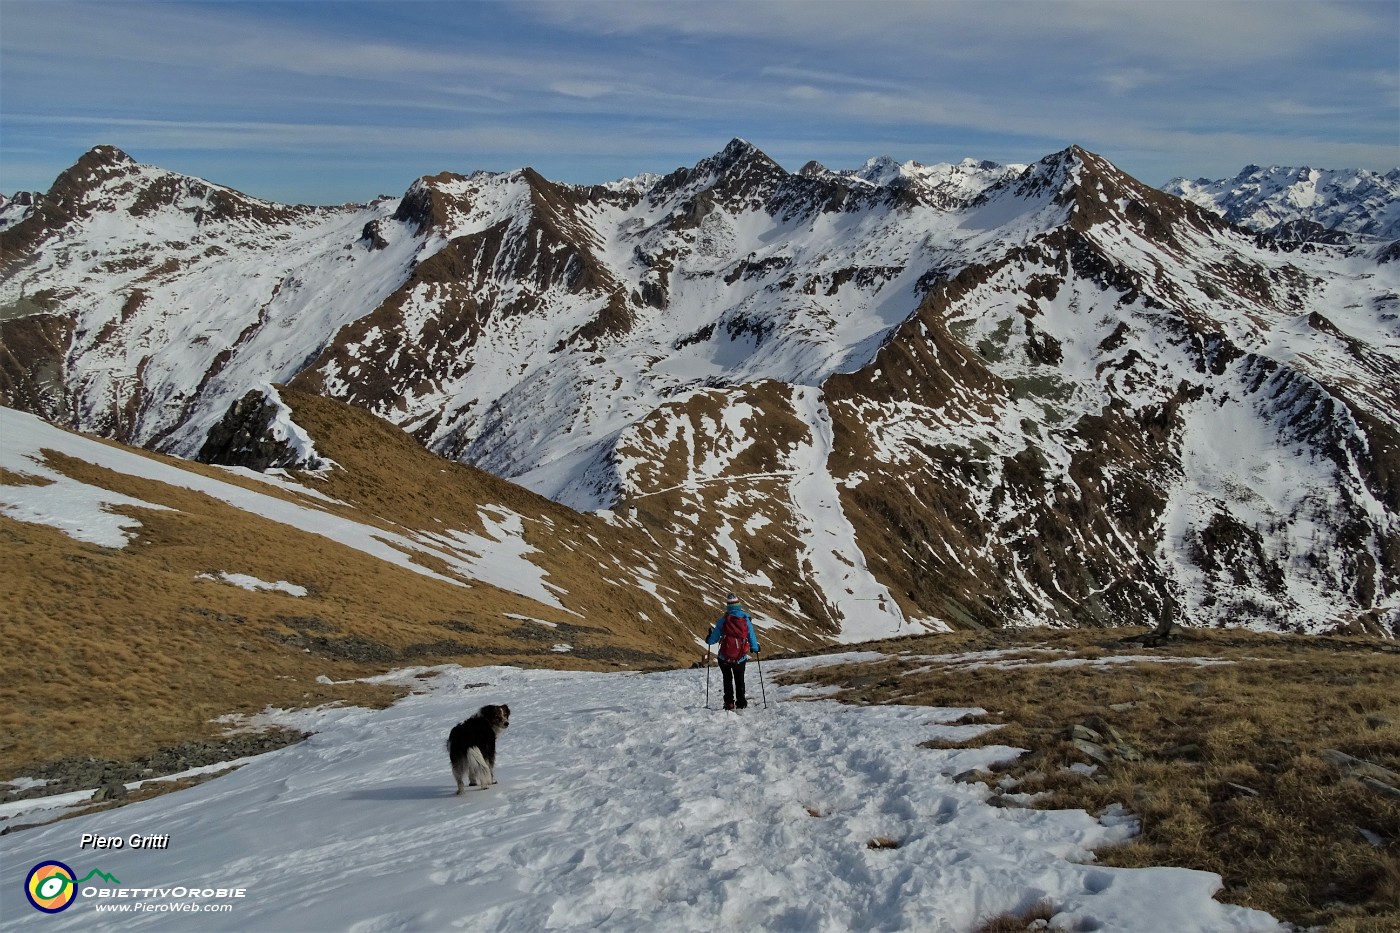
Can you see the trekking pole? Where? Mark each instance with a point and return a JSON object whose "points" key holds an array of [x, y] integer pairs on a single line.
{"points": [[758, 656], [707, 677]]}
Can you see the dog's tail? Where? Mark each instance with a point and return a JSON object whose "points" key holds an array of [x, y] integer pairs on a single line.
{"points": [[478, 770]]}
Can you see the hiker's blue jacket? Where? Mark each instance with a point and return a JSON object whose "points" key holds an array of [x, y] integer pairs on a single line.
{"points": [[717, 632]]}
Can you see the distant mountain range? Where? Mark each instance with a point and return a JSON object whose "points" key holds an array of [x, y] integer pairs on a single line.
{"points": [[1294, 202], [888, 399]]}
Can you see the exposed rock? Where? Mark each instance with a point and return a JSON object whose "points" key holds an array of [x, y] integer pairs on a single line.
{"points": [[245, 438], [1380, 787], [1101, 741], [373, 236], [110, 791], [1358, 767], [1094, 750], [72, 774]]}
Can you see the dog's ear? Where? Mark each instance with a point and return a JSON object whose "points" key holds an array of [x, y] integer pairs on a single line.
{"points": [[506, 708]]}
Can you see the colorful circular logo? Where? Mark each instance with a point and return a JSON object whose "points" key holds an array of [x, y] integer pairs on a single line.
{"points": [[51, 887]]}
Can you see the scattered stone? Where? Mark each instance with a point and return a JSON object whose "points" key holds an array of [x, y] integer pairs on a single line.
{"points": [[1373, 839], [1122, 707], [65, 775], [1085, 733], [1227, 790], [970, 776], [1189, 751], [1377, 722], [1104, 729], [1359, 768], [1381, 787], [114, 790], [1094, 750], [1101, 741]]}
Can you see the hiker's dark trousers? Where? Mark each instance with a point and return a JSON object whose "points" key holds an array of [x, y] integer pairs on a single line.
{"points": [[733, 684]]}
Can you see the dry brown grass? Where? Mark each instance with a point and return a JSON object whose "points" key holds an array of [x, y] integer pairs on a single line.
{"points": [[1037, 918], [1231, 779], [883, 842]]}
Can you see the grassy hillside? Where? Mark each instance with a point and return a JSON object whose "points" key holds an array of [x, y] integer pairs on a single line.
{"points": [[117, 652]]}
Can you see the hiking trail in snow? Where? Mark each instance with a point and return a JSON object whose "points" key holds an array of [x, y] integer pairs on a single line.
{"points": [[624, 804]]}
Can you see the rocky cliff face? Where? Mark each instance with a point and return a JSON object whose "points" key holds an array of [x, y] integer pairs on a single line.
{"points": [[885, 399]]}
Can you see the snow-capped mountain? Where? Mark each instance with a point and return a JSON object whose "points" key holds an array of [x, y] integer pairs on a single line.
{"points": [[1296, 202], [896, 397]]}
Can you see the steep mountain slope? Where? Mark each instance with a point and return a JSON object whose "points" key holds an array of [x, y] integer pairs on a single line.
{"points": [[877, 400], [1135, 415]]}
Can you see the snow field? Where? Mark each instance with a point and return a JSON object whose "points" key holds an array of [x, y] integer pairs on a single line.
{"points": [[623, 804]]}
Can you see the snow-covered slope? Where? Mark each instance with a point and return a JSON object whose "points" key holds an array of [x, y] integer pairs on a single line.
{"points": [[895, 397], [623, 804]]}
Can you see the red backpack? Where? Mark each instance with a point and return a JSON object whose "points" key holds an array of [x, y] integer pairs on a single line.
{"points": [[734, 638]]}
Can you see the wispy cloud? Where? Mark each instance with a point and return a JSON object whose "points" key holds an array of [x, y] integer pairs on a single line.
{"points": [[1163, 87], [829, 78]]}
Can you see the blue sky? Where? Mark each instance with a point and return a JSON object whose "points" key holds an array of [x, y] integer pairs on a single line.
{"points": [[326, 102]]}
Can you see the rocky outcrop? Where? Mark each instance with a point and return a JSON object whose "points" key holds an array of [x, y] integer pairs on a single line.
{"points": [[247, 437]]}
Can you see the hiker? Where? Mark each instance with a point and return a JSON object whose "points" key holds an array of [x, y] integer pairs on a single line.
{"points": [[735, 636]]}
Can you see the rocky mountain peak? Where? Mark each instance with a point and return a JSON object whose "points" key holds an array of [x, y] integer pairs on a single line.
{"points": [[740, 172], [94, 169], [739, 150], [75, 193], [880, 170], [104, 155]]}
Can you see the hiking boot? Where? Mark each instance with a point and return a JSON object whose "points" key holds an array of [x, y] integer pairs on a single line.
{"points": [[729, 706], [741, 705]]}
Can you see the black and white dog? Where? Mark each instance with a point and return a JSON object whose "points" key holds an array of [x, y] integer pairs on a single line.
{"points": [[472, 746]]}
